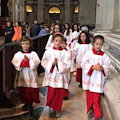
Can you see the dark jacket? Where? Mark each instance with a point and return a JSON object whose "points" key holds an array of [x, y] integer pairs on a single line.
{"points": [[8, 37], [34, 30]]}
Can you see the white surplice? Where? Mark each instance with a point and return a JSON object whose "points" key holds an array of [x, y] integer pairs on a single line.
{"points": [[68, 37], [79, 50], [49, 44], [28, 75], [74, 34], [95, 81], [56, 79]]}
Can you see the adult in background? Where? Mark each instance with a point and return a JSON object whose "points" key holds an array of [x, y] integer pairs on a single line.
{"points": [[18, 32], [35, 29], [43, 30], [9, 32], [23, 28]]}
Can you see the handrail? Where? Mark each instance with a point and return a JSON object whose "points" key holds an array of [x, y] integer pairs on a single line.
{"points": [[7, 51]]}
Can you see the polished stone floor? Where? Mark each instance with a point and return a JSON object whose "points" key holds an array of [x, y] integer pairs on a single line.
{"points": [[72, 109]]}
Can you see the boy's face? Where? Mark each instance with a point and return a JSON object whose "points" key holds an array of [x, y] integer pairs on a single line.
{"points": [[98, 44], [25, 46], [63, 45], [57, 42]]}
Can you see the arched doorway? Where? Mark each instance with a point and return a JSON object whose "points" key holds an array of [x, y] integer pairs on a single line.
{"points": [[75, 14], [54, 14]]}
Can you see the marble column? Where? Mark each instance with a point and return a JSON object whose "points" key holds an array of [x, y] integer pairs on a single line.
{"points": [[40, 11], [22, 10], [116, 16], [67, 11], [87, 11], [104, 14], [15, 11]]}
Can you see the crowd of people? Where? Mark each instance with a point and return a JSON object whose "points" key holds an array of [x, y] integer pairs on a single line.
{"points": [[35, 29], [68, 51]]}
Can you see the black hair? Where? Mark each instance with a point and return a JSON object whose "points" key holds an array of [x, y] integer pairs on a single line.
{"points": [[64, 40], [98, 37], [60, 29], [73, 27], [58, 35], [87, 41], [68, 30]]}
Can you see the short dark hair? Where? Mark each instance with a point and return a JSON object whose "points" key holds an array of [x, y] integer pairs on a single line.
{"points": [[26, 38], [98, 37]]}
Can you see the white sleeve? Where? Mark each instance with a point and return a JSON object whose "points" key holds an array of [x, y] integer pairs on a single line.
{"points": [[64, 65], [46, 62], [106, 65], [48, 42], [86, 66], [34, 60], [16, 61]]}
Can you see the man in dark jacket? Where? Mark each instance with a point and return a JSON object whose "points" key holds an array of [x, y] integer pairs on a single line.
{"points": [[35, 29], [9, 32]]}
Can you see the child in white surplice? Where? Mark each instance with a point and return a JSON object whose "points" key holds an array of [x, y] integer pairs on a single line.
{"points": [[56, 61], [95, 65], [26, 62]]}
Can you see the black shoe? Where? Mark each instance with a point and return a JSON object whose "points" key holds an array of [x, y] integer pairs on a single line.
{"points": [[80, 85], [25, 107], [66, 98], [30, 107]]}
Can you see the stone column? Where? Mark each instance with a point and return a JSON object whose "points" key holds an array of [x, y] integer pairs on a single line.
{"points": [[116, 16], [67, 11], [22, 10], [105, 14], [40, 11], [87, 11]]}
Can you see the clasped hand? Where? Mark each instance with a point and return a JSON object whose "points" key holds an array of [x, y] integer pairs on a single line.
{"points": [[98, 67]]}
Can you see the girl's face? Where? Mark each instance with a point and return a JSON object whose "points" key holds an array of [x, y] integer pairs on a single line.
{"points": [[66, 26], [98, 44], [25, 46], [57, 28], [83, 37], [75, 27], [57, 41], [16, 23], [63, 45]]}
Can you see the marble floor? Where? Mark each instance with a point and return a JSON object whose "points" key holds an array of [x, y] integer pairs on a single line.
{"points": [[72, 109]]}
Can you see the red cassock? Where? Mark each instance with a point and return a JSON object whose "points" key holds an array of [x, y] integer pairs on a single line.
{"points": [[93, 99], [55, 98], [79, 75]]}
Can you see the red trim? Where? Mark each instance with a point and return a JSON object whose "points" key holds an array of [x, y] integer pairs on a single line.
{"points": [[83, 42], [24, 64], [27, 63], [72, 40], [52, 67], [98, 53], [60, 48], [90, 70], [103, 73]]}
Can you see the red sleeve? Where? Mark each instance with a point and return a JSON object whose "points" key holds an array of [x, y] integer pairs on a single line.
{"points": [[24, 64], [57, 67], [27, 63], [72, 40], [90, 70], [103, 73], [52, 67]]}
